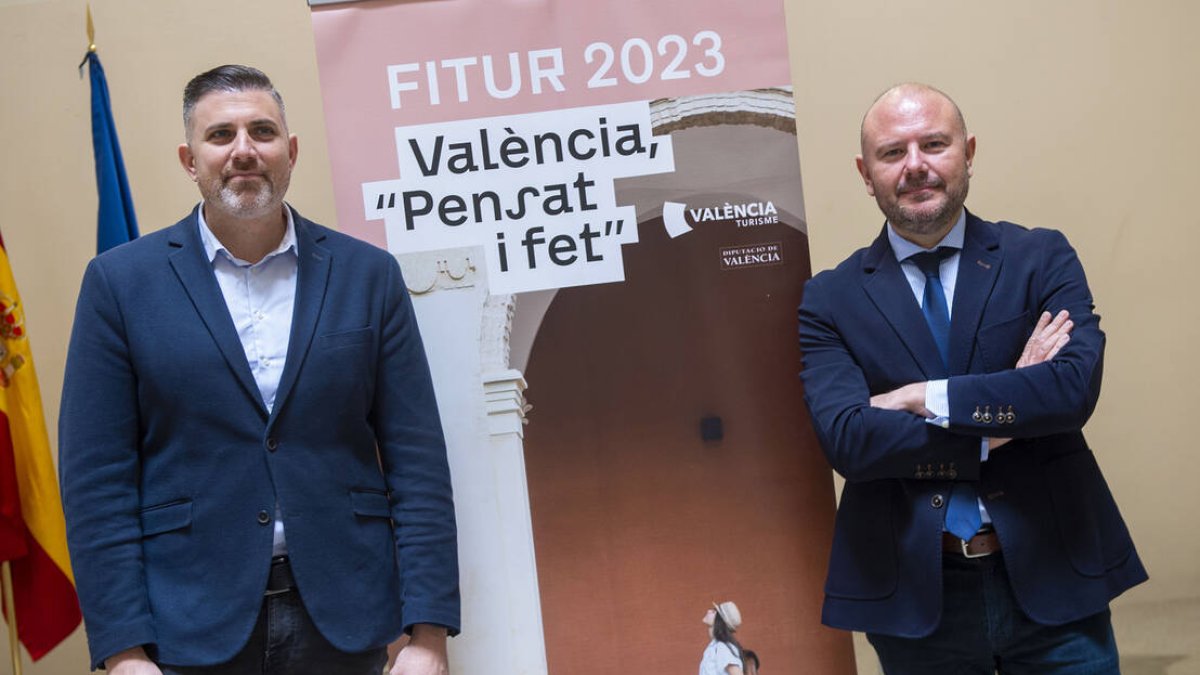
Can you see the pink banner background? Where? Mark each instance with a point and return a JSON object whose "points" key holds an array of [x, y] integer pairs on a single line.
{"points": [[357, 42]]}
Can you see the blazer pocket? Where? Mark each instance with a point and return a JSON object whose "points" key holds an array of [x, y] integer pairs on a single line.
{"points": [[346, 338], [863, 563], [1001, 342], [161, 518], [1091, 527], [370, 503]]}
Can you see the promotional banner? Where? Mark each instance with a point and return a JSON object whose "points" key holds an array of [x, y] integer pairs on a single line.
{"points": [[623, 179]]}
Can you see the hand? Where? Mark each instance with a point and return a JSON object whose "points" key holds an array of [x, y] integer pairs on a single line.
{"points": [[131, 662], [425, 653], [1048, 337], [909, 398]]}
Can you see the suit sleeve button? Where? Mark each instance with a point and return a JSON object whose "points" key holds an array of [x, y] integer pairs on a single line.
{"points": [[937, 501], [264, 517], [272, 444]]}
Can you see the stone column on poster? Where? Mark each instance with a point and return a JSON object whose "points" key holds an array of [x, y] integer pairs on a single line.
{"points": [[467, 333]]}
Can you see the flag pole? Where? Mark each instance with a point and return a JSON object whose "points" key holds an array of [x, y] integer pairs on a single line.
{"points": [[14, 644], [91, 29]]}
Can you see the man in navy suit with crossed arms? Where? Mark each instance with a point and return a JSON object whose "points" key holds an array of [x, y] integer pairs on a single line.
{"points": [[253, 469], [949, 369]]}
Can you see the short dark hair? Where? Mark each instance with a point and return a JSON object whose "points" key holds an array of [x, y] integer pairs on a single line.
{"points": [[231, 78]]}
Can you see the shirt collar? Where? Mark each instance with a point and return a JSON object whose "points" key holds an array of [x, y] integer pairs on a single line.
{"points": [[904, 248], [213, 246]]}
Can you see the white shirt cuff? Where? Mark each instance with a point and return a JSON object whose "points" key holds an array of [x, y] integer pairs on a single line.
{"points": [[937, 399]]}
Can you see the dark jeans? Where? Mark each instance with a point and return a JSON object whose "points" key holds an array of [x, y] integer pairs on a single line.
{"points": [[983, 630], [285, 642]]}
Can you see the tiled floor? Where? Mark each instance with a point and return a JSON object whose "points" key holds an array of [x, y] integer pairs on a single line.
{"points": [[1159, 638]]}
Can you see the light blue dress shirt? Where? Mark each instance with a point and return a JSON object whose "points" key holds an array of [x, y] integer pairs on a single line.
{"points": [[260, 298], [937, 399]]}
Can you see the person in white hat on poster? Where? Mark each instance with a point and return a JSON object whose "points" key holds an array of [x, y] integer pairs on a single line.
{"points": [[723, 656]]}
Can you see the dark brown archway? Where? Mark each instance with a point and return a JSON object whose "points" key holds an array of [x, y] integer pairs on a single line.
{"points": [[638, 522]]}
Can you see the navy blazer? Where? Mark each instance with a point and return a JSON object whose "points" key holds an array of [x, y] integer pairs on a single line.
{"points": [[171, 465], [862, 333]]}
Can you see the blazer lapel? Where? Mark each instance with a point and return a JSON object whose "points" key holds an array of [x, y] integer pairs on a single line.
{"points": [[195, 272], [978, 270], [312, 279], [886, 285]]}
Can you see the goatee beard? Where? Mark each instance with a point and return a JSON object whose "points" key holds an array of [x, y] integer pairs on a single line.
{"points": [[922, 223], [245, 204]]}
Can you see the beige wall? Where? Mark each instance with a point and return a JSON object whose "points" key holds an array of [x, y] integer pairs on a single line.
{"points": [[1083, 112]]}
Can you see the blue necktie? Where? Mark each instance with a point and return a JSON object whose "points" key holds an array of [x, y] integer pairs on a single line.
{"points": [[962, 513]]}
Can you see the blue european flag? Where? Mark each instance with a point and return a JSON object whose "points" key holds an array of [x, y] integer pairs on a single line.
{"points": [[116, 222]]}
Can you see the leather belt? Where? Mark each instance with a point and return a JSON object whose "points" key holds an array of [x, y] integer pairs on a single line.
{"points": [[984, 543], [280, 579]]}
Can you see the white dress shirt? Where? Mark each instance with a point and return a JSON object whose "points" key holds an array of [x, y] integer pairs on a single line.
{"points": [[260, 298]]}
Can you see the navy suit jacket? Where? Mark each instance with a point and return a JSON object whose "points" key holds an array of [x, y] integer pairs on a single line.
{"points": [[171, 465], [862, 333]]}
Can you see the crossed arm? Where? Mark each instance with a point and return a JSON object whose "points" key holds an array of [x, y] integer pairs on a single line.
{"points": [[1049, 336]]}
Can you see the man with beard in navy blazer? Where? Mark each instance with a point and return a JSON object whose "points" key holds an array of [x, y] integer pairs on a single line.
{"points": [[949, 369], [252, 464]]}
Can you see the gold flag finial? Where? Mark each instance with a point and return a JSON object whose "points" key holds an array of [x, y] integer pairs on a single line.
{"points": [[91, 30]]}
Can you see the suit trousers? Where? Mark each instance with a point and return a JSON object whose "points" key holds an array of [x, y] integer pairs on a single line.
{"points": [[984, 631], [285, 642]]}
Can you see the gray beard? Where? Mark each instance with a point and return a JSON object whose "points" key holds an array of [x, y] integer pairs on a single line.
{"points": [[921, 224], [248, 205]]}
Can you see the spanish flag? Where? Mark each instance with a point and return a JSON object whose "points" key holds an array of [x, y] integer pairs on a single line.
{"points": [[33, 536]]}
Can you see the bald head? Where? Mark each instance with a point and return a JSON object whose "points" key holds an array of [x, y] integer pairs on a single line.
{"points": [[916, 160], [908, 94]]}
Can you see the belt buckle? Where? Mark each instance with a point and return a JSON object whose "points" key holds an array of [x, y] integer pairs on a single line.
{"points": [[280, 562], [966, 552]]}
